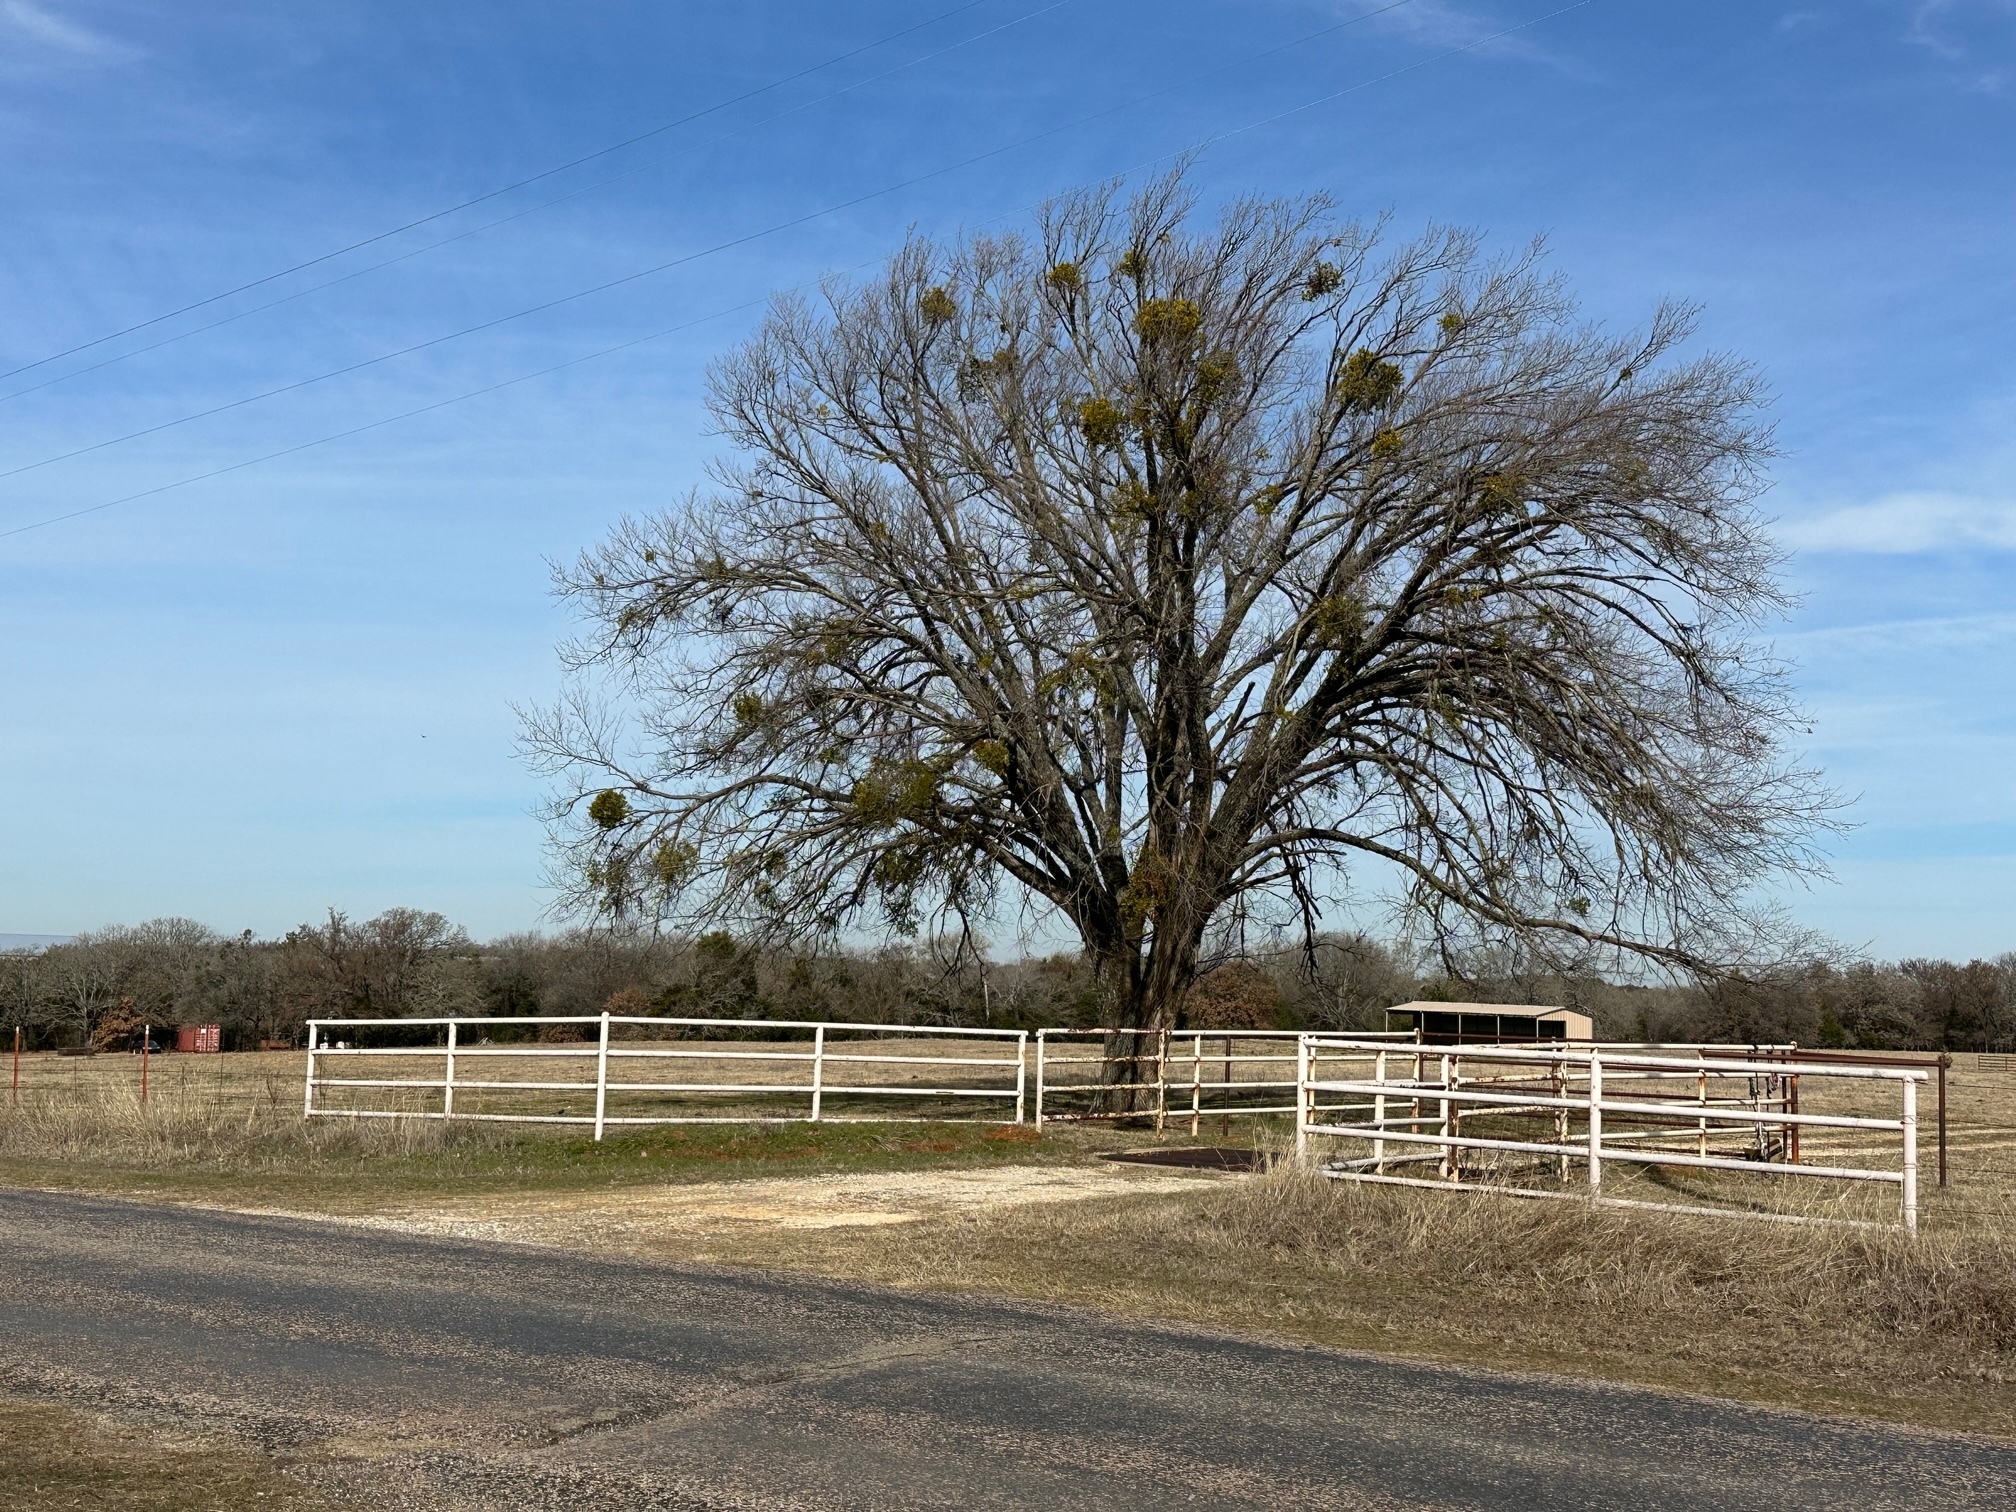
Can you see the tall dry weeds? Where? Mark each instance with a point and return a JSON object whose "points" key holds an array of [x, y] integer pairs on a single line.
{"points": [[1570, 1259], [202, 1128], [1669, 1296]]}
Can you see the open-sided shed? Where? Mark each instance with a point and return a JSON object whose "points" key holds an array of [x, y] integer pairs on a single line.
{"points": [[1488, 1023]]}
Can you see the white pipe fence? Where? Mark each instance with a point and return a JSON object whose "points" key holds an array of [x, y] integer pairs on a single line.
{"points": [[984, 1081], [1182, 1077], [1743, 1114], [1177, 1077], [1402, 1101]]}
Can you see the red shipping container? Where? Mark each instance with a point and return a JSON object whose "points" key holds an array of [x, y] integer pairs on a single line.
{"points": [[200, 1038]]}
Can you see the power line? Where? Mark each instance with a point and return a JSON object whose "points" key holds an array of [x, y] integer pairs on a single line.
{"points": [[516, 215], [1324, 99], [358, 430], [744, 240], [545, 173]]}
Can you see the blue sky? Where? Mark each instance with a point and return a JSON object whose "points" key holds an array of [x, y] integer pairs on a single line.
{"points": [[291, 686]]}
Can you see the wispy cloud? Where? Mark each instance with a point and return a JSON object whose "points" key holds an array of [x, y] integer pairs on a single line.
{"points": [[1942, 24], [40, 25], [1974, 35], [43, 39], [1904, 523], [1957, 632], [1442, 24]]}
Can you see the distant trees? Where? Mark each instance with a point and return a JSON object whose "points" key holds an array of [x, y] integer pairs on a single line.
{"points": [[103, 986], [176, 971], [76, 986], [1159, 577], [1964, 1007], [241, 989], [1349, 980], [142, 972], [402, 963]]}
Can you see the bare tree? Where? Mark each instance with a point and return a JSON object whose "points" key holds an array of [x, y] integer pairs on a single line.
{"points": [[400, 962], [1344, 981], [1165, 577]]}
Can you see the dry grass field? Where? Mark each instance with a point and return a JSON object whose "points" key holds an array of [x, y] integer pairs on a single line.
{"points": [[228, 1129], [1833, 1319], [58, 1460]]}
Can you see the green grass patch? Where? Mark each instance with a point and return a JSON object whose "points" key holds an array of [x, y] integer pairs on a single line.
{"points": [[275, 1158]]}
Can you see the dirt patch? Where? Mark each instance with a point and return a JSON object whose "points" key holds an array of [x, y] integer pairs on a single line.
{"points": [[650, 1217]]}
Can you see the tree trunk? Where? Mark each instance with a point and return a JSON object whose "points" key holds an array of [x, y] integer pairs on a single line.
{"points": [[1143, 998]]}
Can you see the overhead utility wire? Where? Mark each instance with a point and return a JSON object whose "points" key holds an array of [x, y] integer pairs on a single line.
{"points": [[1470, 46], [544, 173], [547, 204], [371, 425], [739, 241]]}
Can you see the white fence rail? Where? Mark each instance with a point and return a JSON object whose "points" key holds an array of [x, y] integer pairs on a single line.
{"points": [[1177, 1077], [1180, 1078], [757, 1070], [1588, 1104]]}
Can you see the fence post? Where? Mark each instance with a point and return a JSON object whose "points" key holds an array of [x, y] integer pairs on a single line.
{"points": [[1042, 1042], [1161, 1080], [308, 1082], [146, 1044], [1379, 1115], [1757, 1105], [448, 1087], [1449, 1172], [1420, 1072], [17, 1065], [1595, 1123], [818, 1069], [1021, 1075], [1701, 1131], [1792, 1097], [1557, 1088], [1302, 1098], [1911, 1157], [1196, 1084], [1225, 1118], [602, 1075]]}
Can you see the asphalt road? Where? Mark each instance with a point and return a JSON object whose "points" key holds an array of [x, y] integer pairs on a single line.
{"points": [[445, 1374]]}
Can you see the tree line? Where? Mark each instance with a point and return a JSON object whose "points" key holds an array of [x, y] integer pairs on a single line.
{"points": [[101, 987]]}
